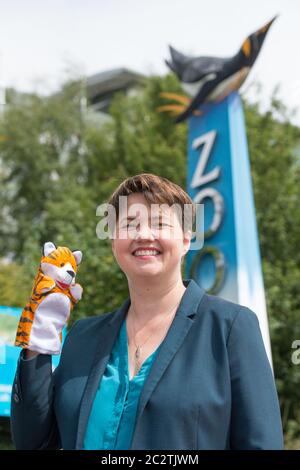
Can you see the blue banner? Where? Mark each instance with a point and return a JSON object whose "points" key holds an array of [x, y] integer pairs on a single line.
{"points": [[9, 354], [219, 176]]}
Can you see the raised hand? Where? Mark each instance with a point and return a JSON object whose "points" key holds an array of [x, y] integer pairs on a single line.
{"points": [[54, 295]]}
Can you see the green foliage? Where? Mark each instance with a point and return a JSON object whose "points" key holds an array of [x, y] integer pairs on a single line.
{"points": [[57, 167], [274, 150], [15, 284]]}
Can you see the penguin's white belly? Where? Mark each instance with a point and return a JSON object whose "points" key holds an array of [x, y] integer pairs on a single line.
{"points": [[229, 84]]}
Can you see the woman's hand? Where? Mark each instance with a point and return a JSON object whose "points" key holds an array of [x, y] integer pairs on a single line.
{"points": [[29, 354]]}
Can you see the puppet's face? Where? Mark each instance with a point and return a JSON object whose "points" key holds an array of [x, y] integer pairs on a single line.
{"points": [[60, 264]]}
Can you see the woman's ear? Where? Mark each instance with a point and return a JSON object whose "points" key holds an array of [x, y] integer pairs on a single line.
{"points": [[187, 236]]}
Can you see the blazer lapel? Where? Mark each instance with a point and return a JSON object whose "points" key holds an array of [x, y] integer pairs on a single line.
{"points": [[177, 332], [107, 336]]}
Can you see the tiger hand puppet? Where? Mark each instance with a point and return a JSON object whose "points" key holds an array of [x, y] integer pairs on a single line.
{"points": [[52, 299]]}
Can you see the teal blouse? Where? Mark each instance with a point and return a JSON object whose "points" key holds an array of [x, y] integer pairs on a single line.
{"points": [[112, 419]]}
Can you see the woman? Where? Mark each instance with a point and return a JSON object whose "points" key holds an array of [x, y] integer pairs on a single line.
{"points": [[172, 368]]}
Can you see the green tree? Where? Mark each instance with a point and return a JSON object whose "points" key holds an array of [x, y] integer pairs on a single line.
{"points": [[274, 151]]}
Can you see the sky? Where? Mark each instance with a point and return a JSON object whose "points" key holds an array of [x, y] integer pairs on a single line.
{"points": [[44, 42]]}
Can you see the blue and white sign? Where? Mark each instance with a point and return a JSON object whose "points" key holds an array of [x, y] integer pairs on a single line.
{"points": [[229, 264], [9, 355]]}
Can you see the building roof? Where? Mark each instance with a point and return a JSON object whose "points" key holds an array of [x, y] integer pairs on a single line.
{"points": [[101, 86]]}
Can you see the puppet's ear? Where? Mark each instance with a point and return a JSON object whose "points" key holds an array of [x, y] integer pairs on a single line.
{"points": [[78, 256], [48, 248]]}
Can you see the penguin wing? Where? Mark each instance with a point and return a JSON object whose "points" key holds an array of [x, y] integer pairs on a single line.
{"points": [[197, 68], [199, 99]]}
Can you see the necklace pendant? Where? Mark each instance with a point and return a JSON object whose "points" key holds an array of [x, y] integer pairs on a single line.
{"points": [[137, 352]]}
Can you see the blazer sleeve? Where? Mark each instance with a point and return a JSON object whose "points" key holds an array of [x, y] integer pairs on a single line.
{"points": [[33, 421], [255, 416]]}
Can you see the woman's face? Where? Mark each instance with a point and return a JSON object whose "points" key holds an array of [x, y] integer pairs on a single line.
{"points": [[146, 246]]}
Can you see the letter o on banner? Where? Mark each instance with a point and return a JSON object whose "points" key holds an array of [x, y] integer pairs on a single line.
{"points": [[219, 262], [218, 202]]}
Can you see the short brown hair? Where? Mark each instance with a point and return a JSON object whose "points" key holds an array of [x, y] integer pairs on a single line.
{"points": [[156, 190]]}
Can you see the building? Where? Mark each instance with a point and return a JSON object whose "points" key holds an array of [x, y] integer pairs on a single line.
{"points": [[101, 87]]}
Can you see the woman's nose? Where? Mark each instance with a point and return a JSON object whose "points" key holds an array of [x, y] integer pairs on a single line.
{"points": [[144, 231]]}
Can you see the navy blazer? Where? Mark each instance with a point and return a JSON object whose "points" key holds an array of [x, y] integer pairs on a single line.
{"points": [[210, 386]]}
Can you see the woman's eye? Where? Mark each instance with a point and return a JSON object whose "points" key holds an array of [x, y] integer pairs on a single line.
{"points": [[162, 224], [156, 224]]}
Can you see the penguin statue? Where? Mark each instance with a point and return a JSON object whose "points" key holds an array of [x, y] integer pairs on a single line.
{"points": [[211, 79]]}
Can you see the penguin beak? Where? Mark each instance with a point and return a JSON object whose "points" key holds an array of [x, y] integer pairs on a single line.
{"points": [[264, 29]]}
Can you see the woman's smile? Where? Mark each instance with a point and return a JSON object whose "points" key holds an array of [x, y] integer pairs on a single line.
{"points": [[147, 257], [146, 253]]}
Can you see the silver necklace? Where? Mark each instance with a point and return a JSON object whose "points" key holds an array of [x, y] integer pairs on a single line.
{"points": [[138, 347]]}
